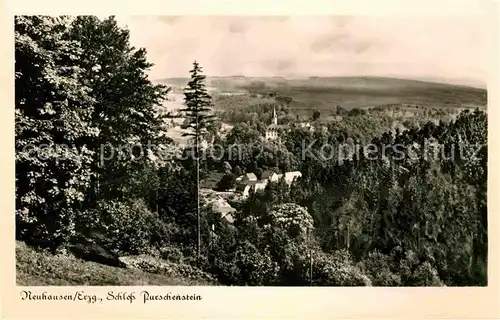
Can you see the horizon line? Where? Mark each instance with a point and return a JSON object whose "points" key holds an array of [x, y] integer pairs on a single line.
{"points": [[477, 84]]}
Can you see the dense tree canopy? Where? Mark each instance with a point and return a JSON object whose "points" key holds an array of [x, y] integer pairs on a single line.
{"points": [[53, 120]]}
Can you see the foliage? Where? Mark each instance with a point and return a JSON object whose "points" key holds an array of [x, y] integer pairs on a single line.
{"points": [[292, 218], [198, 111], [378, 268], [127, 116], [338, 269], [255, 268], [251, 110], [227, 182], [53, 119], [412, 213], [126, 227], [316, 115], [426, 275], [158, 266]]}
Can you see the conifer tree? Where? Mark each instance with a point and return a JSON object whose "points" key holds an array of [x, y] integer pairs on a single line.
{"points": [[199, 122]]}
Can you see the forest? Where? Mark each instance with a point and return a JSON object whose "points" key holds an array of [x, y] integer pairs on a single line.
{"points": [[411, 214]]}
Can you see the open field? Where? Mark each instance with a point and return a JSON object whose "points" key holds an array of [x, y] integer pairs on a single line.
{"points": [[324, 94]]}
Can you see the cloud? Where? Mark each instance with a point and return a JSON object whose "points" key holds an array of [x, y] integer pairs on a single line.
{"points": [[438, 46]]}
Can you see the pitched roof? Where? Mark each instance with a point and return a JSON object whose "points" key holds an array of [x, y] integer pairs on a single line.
{"points": [[274, 127], [275, 177], [229, 217], [290, 176], [251, 176], [261, 185], [293, 174], [221, 205], [267, 174]]}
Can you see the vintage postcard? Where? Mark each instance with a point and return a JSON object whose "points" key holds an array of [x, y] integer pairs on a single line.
{"points": [[310, 161]]}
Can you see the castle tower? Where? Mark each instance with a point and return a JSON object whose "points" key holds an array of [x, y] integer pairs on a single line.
{"points": [[275, 117]]}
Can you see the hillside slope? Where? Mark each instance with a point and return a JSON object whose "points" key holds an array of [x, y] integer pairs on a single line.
{"points": [[34, 268]]}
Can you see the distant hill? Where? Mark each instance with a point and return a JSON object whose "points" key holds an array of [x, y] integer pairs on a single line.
{"points": [[324, 93], [456, 81]]}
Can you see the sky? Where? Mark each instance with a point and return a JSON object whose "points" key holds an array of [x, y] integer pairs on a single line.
{"points": [[435, 47]]}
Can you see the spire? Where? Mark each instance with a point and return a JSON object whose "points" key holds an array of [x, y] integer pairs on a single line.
{"points": [[275, 118]]}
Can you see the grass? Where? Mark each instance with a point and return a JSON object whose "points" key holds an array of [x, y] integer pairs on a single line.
{"points": [[37, 268]]}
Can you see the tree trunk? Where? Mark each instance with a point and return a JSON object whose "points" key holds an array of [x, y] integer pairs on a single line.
{"points": [[157, 201], [310, 267], [198, 196], [347, 239]]}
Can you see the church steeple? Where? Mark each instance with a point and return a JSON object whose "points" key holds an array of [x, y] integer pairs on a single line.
{"points": [[275, 118]]}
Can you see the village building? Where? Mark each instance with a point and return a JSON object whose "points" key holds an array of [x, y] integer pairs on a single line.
{"points": [[260, 186], [274, 177], [271, 177], [273, 130], [219, 204], [246, 191], [247, 178], [290, 177], [266, 174], [306, 125]]}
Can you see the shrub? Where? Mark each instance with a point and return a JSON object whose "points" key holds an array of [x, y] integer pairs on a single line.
{"points": [[256, 268], [291, 217], [378, 268], [171, 253], [426, 275], [355, 112], [337, 269], [126, 227], [226, 182], [226, 272], [294, 264], [407, 265]]}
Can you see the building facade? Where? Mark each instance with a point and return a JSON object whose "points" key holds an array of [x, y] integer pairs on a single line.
{"points": [[272, 131]]}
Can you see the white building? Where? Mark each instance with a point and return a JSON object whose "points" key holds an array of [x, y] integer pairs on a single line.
{"points": [[260, 185], [246, 178], [274, 177], [246, 191], [221, 206], [288, 177], [272, 131]]}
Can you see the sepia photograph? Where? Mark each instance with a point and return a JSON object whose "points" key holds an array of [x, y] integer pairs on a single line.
{"points": [[276, 151]]}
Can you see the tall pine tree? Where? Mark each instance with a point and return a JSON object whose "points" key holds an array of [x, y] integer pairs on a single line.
{"points": [[200, 120]]}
